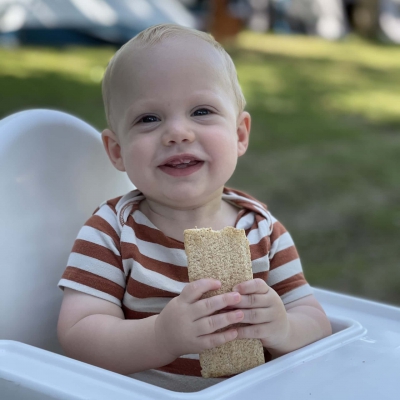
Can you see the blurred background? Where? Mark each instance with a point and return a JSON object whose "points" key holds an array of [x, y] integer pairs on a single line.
{"points": [[322, 82]]}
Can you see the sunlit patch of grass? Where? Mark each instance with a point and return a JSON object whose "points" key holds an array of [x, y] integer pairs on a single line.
{"points": [[376, 105], [73, 62], [293, 74], [301, 47], [65, 79]]}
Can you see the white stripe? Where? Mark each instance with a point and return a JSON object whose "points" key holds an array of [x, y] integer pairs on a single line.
{"points": [[156, 251], [141, 219], [97, 267], [256, 235], [235, 197], [261, 264], [109, 216], [65, 283], [281, 243], [246, 222], [150, 304], [93, 235], [296, 294], [283, 272], [155, 279], [191, 356]]}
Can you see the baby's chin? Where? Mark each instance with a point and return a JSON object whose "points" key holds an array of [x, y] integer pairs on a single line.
{"points": [[186, 199]]}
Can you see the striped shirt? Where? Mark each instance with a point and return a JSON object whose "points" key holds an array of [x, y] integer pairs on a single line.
{"points": [[120, 256]]}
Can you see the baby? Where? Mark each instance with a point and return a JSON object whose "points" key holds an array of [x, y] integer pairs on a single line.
{"points": [[177, 126]]}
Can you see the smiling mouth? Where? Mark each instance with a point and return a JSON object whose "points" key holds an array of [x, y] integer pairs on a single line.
{"points": [[182, 165]]}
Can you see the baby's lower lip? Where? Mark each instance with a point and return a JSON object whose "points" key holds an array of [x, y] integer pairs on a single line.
{"points": [[181, 171]]}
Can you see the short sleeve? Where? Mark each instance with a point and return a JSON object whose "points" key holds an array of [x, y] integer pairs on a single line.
{"points": [[286, 273], [95, 263]]}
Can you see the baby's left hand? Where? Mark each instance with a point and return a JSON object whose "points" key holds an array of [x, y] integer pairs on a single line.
{"points": [[264, 310]]}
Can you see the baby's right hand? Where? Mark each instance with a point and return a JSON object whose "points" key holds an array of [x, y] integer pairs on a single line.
{"points": [[187, 324]]}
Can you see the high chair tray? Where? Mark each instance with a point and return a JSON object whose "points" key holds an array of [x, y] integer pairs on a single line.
{"points": [[361, 360]]}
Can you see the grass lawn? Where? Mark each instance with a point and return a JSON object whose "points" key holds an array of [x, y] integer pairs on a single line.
{"points": [[325, 150]]}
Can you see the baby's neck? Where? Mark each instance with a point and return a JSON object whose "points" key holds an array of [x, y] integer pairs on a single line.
{"points": [[172, 222]]}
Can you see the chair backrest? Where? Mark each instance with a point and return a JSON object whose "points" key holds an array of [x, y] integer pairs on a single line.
{"points": [[53, 174]]}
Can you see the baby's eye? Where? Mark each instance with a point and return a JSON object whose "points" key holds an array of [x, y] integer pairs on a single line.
{"points": [[149, 119], [201, 111]]}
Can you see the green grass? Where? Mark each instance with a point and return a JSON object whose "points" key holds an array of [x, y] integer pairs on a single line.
{"points": [[325, 142], [67, 79]]}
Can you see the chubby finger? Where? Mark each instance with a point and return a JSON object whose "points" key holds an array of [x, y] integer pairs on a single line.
{"points": [[212, 304], [217, 339], [257, 285], [207, 325], [253, 301], [258, 331], [193, 291], [257, 315]]}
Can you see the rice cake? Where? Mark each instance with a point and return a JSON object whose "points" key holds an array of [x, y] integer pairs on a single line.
{"points": [[223, 255]]}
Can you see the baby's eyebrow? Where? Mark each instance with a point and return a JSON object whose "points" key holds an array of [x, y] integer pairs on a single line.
{"points": [[139, 107], [147, 103]]}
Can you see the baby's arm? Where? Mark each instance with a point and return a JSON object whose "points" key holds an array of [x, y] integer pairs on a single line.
{"points": [[94, 330], [281, 328]]}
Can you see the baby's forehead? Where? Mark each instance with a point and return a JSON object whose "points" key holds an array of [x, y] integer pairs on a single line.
{"points": [[184, 56], [183, 49]]}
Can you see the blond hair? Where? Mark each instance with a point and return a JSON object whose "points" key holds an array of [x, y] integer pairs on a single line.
{"points": [[155, 34]]}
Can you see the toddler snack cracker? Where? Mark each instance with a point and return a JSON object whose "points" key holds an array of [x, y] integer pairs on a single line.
{"points": [[223, 255]]}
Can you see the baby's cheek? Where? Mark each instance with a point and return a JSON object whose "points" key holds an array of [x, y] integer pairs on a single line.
{"points": [[135, 166]]}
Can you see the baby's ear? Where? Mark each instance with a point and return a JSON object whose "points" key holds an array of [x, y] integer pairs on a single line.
{"points": [[113, 148], [243, 132]]}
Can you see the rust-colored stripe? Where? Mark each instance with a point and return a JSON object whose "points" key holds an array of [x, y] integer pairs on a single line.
{"points": [[183, 366], [113, 203], [283, 257], [131, 314], [148, 234], [102, 225], [130, 250], [260, 249], [289, 284], [278, 230], [267, 355], [98, 252], [94, 281], [261, 275], [142, 291]]}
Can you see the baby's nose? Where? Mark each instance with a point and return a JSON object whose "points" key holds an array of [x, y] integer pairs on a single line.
{"points": [[177, 132]]}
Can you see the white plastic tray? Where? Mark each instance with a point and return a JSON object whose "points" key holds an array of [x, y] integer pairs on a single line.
{"points": [[27, 372]]}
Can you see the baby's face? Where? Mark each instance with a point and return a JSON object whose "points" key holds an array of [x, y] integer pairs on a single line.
{"points": [[177, 122]]}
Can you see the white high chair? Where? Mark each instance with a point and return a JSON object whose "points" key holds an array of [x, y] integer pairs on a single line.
{"points": [[54, 172]]}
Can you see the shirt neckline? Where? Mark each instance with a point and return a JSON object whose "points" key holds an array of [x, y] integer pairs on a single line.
{"points": [[149, 223]]}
